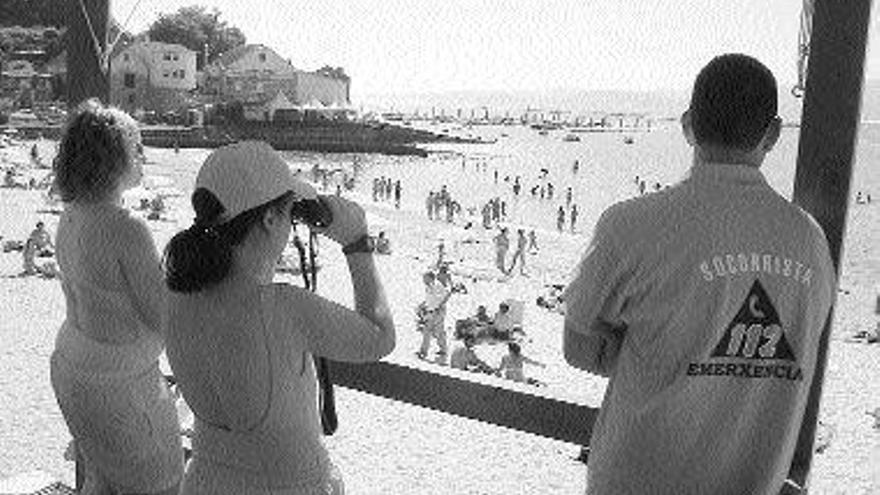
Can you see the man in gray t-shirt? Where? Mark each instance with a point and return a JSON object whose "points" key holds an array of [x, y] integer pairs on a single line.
{"points": [[703, 304]]}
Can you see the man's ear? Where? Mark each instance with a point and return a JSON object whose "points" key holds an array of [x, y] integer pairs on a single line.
{"points": [[771, 135], [687, 127]]}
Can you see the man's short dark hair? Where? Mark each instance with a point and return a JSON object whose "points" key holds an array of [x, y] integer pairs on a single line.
{"points": [[733, 102]]}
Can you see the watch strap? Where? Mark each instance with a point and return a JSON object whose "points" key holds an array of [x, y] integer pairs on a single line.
{"points": [[363, 244]]}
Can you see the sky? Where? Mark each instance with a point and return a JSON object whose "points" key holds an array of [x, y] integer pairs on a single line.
{"points": [[431, 46]]}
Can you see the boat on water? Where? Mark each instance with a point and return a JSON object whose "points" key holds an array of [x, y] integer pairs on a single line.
{"points": [[572, 138]]}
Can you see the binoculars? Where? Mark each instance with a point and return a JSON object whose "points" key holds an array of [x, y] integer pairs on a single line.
{"points": [[312, 212]]}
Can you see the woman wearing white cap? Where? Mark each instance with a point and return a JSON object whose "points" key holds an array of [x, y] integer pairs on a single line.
{"points": [[241, 346]]}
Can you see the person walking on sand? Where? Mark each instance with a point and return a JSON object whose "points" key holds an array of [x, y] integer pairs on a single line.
{"points": [[533, 241], [397, 194], [502, 244], [389, 189], [487, 215], [568, 196], [105, 366], [560, 218], [241, 346], [429, 205], [573, 216], [704, 304], [520, 253], [512, 364], [433, 316]]}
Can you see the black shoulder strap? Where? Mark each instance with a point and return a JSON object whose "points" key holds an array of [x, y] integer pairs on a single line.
{"points": [[327, 401]]}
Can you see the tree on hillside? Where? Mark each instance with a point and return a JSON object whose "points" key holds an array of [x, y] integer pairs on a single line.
{"points": [[195, 27], [31, 13]]}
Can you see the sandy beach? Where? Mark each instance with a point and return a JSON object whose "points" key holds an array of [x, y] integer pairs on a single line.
{"points": [[384, 446]]}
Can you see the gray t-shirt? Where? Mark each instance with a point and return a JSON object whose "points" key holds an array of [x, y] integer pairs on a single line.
{"points": [[724, 287]]}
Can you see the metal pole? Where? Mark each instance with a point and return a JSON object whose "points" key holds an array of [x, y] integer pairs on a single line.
{"points": [[85, 76], [829, 129]]}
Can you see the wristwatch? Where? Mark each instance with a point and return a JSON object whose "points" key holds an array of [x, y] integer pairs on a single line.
{"points": [[363, 244]]}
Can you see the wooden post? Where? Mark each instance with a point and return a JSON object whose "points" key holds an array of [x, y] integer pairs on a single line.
{"points": [[86, 78], [829, 128]]}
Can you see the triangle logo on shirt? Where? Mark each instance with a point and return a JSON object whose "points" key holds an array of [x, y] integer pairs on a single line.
{"points": [[755, 332]]}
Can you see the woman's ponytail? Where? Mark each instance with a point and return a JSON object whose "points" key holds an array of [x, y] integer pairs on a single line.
{"points": [[199, 256], [202, 255]]}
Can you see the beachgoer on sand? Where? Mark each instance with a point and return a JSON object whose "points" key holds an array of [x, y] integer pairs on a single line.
{"points": [[464, 357], [716, 327], [560, 218], [486, 213], [42, 240], [383, 245], [9, 178], [533, 241], [429, 205], [520, 253], [105, 366], [476, 326], [397, 194], [157, 208], [502, 244], [432, 316], [573, 216], [503, 323], [241, 346], [29, 254], [877, 313], [512, 364]]}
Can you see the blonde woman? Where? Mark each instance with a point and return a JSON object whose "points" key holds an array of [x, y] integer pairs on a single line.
{"points": [[241, 346], [105, 366]]}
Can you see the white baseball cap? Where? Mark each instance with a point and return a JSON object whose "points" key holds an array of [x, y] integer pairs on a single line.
{"points": [[248, 174]]}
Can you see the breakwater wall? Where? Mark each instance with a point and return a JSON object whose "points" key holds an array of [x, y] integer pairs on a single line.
{"points": [[328, 137]]}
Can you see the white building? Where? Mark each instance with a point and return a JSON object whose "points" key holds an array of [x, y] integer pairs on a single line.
{"points": [[255, 75], [152, 76]]}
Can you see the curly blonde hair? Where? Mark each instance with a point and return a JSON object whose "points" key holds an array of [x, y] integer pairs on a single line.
{"points": [[97, 149]]}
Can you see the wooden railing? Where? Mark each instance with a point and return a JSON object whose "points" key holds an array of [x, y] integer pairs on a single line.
{"points": [[532, 412]]}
